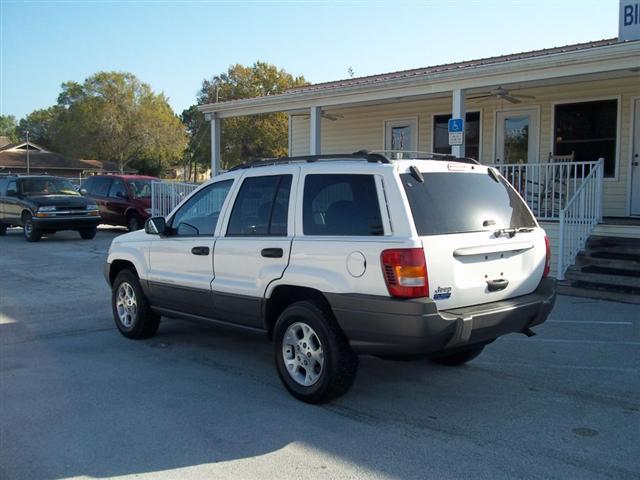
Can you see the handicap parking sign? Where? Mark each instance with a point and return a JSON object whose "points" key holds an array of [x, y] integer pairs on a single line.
{"points": [[455, 125], [456, 131]]}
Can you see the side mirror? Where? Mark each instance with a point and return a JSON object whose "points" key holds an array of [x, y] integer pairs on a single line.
{"points": [[155, 226], [122, 195], [83, 191]]}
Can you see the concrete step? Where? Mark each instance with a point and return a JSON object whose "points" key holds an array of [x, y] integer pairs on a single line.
{"points": [[585, 260], [596, 241], [566, 288], [606, 270], [605, 280], [627, 255]]}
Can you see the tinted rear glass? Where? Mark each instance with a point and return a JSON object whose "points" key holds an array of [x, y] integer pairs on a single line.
{"points": [[460, 202]]}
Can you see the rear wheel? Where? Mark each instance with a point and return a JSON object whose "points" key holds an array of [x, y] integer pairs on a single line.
{"points": [[88, 233], [3, 229], [31, 232], [131, 311], [313, 357], [458, 357], [134, 222]]}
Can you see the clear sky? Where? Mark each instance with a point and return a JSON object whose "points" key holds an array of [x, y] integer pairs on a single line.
{"points": [[173, 46]]}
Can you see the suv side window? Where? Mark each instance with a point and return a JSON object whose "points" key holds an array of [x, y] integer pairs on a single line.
{"points": [[344, 205], [117, 187], [88, 184], [12, 187], [261, 207], [3, 185], [101, 186], [199, 216]]}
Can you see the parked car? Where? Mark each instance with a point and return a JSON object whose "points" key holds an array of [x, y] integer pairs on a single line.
{"points": [[337, 255], [44, 204], [122, 199]]}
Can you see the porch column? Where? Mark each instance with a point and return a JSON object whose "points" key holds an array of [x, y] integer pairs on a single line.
{"points": [[315, 131], [215, 144], [458, 111]]}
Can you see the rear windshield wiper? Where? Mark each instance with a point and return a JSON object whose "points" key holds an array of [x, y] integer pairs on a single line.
{"points": [[511, 232]]}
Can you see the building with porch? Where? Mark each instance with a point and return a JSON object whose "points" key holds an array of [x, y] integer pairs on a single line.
{"points": [[562, 124]]}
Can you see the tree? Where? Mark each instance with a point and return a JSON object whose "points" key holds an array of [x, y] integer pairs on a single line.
{"points": [[38, 123], [113, 116], [8, 127], [242, 138]]}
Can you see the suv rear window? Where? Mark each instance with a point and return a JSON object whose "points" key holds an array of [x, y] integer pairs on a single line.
{"points": [[462, 202], [341, 204]]}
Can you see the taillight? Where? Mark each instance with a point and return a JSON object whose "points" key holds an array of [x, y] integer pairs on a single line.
{"points": [[405, 272], [547, 263]]}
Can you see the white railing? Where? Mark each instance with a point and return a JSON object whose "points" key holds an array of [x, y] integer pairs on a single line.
{"points": [[165, 196], [547, 187], [579, 217]]}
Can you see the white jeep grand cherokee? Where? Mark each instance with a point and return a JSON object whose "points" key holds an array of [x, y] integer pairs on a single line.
{"points": [[337, 255]]}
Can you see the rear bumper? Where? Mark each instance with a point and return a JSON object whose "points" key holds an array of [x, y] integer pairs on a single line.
{"points": [[66, 223], [389, 326]]}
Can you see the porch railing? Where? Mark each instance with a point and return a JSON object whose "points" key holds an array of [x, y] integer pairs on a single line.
{"points": [[547, 187], [578, 218], [165, 196]]}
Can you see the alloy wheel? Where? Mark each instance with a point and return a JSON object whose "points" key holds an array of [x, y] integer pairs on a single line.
{"points": [[126, 305], [302, 354]]}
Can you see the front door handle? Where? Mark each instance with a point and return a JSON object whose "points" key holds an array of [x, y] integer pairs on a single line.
{"points": [[272, 252], [498, 284], [200, 251]]}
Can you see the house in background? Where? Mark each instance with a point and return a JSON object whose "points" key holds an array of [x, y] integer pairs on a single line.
{"points": [[562, 124], [13, 159]]}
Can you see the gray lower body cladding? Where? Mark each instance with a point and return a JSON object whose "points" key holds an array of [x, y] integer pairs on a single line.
{"points": [[390, 326]]}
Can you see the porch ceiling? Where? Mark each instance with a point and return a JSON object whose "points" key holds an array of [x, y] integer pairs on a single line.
{"points": [[607, 61]]}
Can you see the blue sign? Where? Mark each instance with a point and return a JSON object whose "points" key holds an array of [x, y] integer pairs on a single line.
{"points": [[456, 125]]}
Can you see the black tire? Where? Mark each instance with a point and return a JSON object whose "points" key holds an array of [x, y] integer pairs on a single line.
{"points": [[88, 233], [31, 232], [134, 222], [144, 322], [340, 363], [457, 357], [3, 229]]}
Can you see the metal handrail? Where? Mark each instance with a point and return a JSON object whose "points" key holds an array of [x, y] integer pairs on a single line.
{"points": [[579, 217]]}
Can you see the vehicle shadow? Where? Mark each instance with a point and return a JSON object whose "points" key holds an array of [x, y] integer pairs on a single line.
{"points": [[101, 405]]}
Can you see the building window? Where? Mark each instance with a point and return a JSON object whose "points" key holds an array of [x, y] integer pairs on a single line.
{"points": [[471, 134], [589, 129]]}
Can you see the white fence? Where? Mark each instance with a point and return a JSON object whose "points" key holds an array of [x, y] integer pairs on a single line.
{"points": [[166, 195], [578, 218], [547, 187]]}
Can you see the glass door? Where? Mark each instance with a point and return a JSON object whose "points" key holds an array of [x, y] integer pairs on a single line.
{"points": [[517, 137]]}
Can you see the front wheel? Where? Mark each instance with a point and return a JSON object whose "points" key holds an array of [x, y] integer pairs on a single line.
{"points": [[31, 232], [3, 229], [458, 357], [313, 356], [88, 233], [131, 311]]}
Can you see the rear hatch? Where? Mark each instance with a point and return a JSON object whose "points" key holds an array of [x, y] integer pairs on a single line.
{"points": [[480, 240]]}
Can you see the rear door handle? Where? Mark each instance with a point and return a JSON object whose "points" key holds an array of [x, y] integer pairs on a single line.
{"points": [[498, 284], [272, 252], [200, 250]]}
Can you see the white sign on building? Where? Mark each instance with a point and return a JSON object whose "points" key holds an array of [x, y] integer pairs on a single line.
{"points": [[629, 20]]}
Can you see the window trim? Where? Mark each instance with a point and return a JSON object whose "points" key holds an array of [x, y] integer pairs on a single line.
{"points": [[383, 208], [216, 231], [629, 185], [398, 121], [480, 111], [523, 106], [225, 230], [552, 136]]}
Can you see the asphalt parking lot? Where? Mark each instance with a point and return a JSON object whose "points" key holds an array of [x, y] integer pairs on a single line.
{"points": [[79, 400]]}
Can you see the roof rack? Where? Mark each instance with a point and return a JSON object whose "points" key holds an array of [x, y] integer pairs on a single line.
{"points": [[378, 156], [356, 156], [419, 155]]}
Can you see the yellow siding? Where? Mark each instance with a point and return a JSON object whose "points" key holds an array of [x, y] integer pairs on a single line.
{"points": [[553, 233], [362, 127]]}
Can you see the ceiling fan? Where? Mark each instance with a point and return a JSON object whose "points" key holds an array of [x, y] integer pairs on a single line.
{"points": [[503, 94], [328, 116]]}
